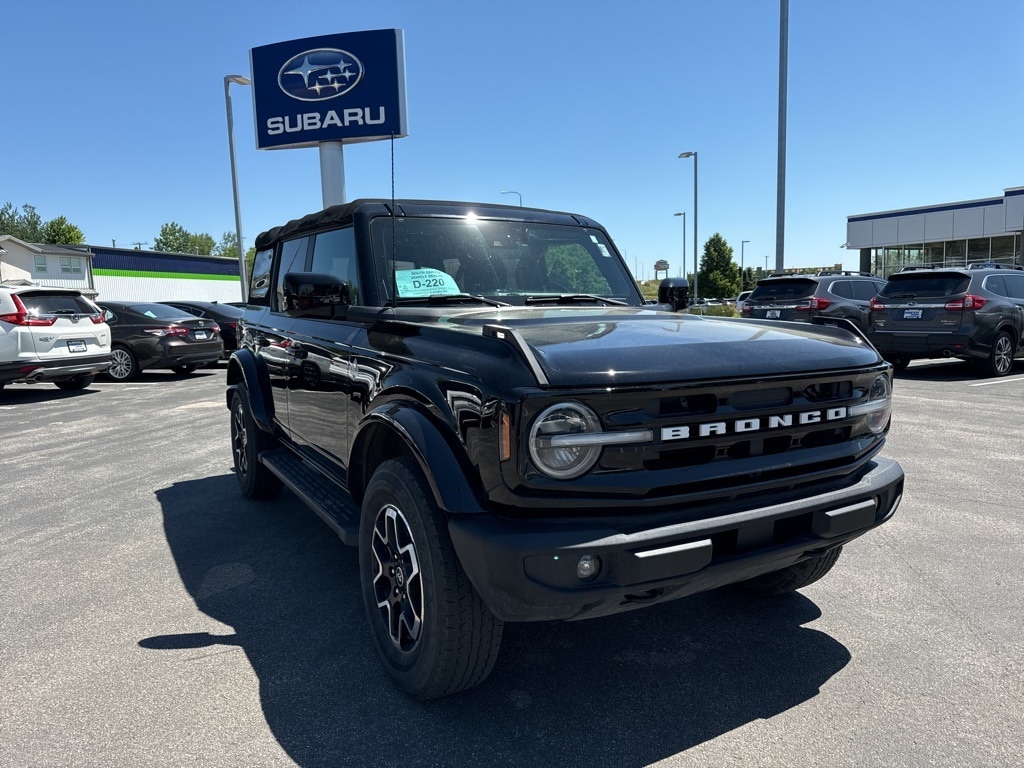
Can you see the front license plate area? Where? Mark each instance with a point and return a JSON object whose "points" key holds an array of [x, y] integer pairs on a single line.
{"points": [[772, 314], [911, 314], [76, 345]]}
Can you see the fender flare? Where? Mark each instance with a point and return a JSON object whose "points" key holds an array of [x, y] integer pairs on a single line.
{"points": [[447, 476], [247, 370]]}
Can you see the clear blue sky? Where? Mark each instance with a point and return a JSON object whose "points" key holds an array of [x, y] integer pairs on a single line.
{"points": [[114, 114]]}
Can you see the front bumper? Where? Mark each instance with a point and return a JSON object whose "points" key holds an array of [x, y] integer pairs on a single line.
{"points": [[525, 570]]}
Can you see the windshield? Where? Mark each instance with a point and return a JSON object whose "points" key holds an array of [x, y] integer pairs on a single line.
{"points": [[504, 260], [935, 285]]}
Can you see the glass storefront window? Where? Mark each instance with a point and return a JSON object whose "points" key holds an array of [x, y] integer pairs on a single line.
{"points": [[1002, 249], [935, 253], [978, 249]]}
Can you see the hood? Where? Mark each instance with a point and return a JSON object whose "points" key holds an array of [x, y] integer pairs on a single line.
{"points": [[603, 346]]}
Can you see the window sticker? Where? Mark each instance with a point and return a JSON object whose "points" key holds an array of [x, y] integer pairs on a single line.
{"points": [[420, 283]]}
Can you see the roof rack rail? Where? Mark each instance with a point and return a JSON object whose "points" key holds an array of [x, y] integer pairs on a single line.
{"points": [[992, 265], [830, 272]]}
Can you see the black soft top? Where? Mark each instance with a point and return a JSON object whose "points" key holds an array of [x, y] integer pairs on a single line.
{"points": [[341, 215]]}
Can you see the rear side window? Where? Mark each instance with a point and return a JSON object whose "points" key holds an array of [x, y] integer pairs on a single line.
{"points": [[926, 285], [843, 288], [784, 289], [866, 290], [1014, 286], [995, 284]]}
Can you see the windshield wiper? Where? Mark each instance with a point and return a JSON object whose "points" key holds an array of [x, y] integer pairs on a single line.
{"points": [[452, 298], [572, 298]]}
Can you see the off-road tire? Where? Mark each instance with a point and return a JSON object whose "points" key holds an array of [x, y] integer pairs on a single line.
{"points": [[81, 381], [247, 442], [794, 577], [432, 632]]}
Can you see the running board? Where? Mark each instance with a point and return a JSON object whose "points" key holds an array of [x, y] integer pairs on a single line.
{"points": [[329, 501]]}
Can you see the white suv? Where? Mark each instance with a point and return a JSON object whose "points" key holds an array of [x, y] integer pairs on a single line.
{"points": [[51, 334]]}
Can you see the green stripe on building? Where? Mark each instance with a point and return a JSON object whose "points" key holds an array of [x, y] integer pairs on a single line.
{"points": [[169, 275]]}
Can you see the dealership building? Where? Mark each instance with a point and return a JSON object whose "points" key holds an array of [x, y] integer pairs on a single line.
{"points": [[946, 235]]}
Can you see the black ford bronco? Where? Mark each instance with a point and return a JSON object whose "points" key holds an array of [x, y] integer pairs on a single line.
{"points": [[479, 399]]}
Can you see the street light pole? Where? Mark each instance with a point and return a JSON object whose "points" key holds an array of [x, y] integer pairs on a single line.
{"points": [[513, 192], [237, 80], [682, 266], [683, 156], [741, 262]]}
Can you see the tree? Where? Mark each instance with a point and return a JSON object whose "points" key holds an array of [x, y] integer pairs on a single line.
{"points": [[174, 238], [227, 247], [25, 225], [60, 231], [719, 275]]}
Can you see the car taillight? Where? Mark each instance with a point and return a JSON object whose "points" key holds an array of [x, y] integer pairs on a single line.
{"points": [[172, 331], [813, 304], [215, 328], [97, 319], [747, 309], [21, 316], [970, 301], [876, 306]]}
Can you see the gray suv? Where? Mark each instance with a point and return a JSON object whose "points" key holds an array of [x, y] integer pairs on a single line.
{"points": [[801, 298], [974, 313]]}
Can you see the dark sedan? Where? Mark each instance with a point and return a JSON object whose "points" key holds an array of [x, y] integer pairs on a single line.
{"points": [[224, 315], [149, 335]]}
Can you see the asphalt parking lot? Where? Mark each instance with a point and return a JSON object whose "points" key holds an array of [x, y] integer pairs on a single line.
{"points": [[151, 616]]}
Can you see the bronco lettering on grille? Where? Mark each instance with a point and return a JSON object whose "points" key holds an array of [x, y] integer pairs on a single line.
{"points": [[757, 424]]}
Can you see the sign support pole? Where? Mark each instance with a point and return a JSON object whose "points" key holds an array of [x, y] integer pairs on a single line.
{"points": [[332, 172]]}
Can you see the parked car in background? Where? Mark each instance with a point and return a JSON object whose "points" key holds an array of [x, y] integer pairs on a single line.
{"points": [[741, 300], [150, 335], [50, 334], [974, 313], [801, 298], [225, 315]]}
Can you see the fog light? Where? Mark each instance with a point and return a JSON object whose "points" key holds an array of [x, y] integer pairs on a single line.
{"points": [[588, 567]]}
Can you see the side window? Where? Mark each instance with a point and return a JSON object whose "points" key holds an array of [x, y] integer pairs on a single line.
{"points": [[259, 280], [995, 284], [293, 259], [843, 288], [865, 290], [334, 253], [1015, 286]]}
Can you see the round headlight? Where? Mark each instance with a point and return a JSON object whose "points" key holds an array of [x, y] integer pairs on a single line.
{"points": [[558, 443], [878, 407]]}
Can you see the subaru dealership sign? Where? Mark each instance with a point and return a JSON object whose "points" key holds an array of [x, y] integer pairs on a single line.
{"points": [[347, 87]]}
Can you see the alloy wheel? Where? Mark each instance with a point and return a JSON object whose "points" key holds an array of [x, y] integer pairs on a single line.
{"points": [[121, 364], [397, 581], [1002, 354], [239, 439]]}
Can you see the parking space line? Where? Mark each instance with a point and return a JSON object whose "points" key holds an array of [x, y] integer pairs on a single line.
{"points": [[997, 381]]}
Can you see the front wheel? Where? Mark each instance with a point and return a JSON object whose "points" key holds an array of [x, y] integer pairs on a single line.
{"points": [[432, 631], [794, 577], [81, 381]]}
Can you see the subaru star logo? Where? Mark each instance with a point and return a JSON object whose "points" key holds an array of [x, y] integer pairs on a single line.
{"points": [[320, 74]]}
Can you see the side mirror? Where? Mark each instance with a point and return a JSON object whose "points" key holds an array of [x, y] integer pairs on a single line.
{"points": [[674, 291], [314, 294]]}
